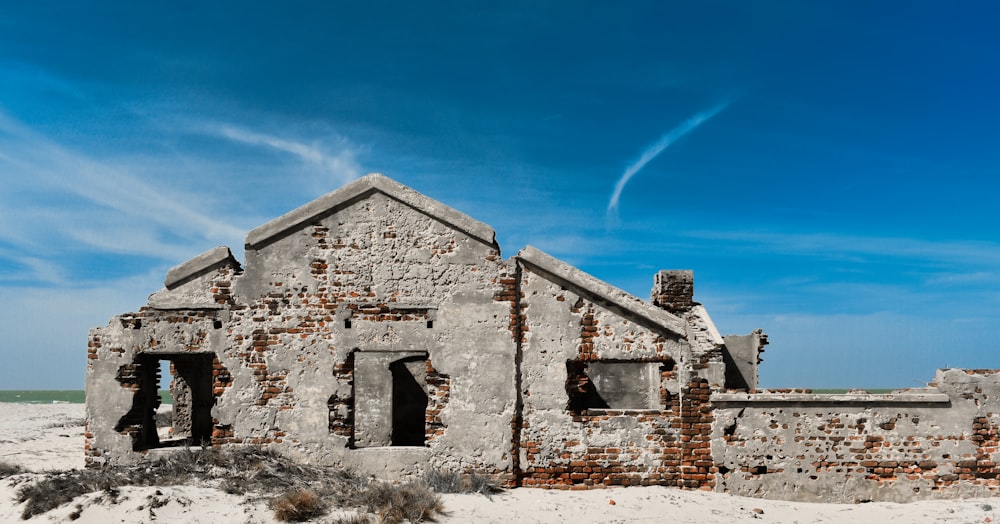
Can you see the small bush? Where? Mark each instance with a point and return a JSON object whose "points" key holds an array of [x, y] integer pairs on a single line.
{"points": [[355, 519], [443, 481], [7, 469], [298, 506], [393, 504], [452, 482]]}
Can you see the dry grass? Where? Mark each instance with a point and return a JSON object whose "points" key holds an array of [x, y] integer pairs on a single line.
{"points": [[393, 504], [236, 471], [7, 470], [356, 519], [307, 491], [299, 505], [452, 482]]}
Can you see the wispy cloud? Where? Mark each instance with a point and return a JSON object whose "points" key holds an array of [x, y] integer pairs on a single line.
{"points": [[59, 204], [857, 247], [342, 164], [656, 148]]}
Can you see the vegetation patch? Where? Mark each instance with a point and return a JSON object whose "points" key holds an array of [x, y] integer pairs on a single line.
{"points": [[453, 482], [298, 506], [305, 492], [393, 504], [7, 469]]}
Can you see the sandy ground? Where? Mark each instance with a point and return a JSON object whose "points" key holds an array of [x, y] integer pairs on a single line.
{"points": [[50, 437]]}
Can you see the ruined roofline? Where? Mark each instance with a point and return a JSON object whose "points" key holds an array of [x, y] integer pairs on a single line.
{"points": [[199, 265], [714, 336], [588, 285], [359, 189]]}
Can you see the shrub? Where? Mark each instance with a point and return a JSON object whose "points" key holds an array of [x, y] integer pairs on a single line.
{"points": [[393, 504], [451, 482], [443, 481], [7, 469], [298, 506], [354, 519]]}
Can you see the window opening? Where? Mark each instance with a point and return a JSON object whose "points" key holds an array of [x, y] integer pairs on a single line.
{"points": [[581, 390], [612, 385]]}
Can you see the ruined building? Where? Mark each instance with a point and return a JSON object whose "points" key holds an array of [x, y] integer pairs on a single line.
{"points": [[378, 329]]}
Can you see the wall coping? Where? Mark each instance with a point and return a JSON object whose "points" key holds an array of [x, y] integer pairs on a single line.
{"points": [[199, 265], [928, 396], [604, 293]]}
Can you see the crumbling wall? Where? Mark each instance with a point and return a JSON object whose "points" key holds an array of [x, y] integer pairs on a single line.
{"points": [[938, 442], [382, 274], [742, 357], [375, 282], [123, 371], [374, 328], [568, 439]]}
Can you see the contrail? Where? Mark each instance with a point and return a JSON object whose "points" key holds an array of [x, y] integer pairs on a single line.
{"points": [[652, 151]]}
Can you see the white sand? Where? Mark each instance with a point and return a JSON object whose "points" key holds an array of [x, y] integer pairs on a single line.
{"points": [[50, 437]]}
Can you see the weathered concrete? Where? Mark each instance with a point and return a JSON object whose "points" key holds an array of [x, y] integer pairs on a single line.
{"points": [[571, 321], [742, 357], [333, 294], [378, 329], [935, 442]]}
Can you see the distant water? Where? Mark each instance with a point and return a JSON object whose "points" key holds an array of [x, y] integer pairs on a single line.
{"points": [[63, 396]]}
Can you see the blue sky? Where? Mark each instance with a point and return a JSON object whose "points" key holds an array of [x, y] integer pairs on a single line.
{"points": [[829, 170]]}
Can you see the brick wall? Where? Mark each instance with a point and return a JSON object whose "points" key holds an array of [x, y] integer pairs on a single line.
{"points": [[567, 448], [375, 276], [511, 357], [855, 448]]}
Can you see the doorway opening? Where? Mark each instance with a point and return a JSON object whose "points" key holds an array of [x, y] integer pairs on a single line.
{"points": [[409, 401], [189, 422]]}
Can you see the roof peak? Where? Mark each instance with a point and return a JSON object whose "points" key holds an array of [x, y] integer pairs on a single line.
{"points": [[358, 190]]}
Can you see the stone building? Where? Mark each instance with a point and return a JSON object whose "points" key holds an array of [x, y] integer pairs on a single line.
{"points": [[378, 329]]}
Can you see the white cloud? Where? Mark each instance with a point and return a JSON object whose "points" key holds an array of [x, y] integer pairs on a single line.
{"points": [[341, 164], [59, 204], [831, 245]]}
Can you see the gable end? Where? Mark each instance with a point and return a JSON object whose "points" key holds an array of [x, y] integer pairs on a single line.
{"points": [[601, 292], [359, 190], [199, 265]]}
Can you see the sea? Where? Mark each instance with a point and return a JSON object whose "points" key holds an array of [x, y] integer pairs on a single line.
{"points": [[56, 396]]}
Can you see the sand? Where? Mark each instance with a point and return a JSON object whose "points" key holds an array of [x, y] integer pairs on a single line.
{"points": [[50, 437]]}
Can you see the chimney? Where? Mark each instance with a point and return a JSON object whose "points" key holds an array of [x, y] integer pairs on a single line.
{"points": [[673, 290]]}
